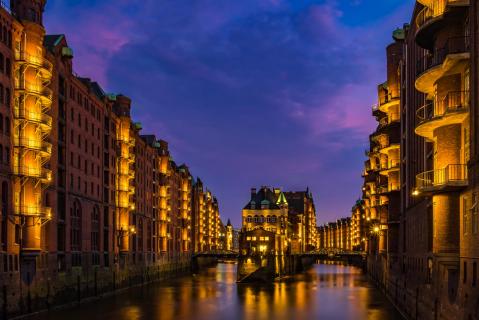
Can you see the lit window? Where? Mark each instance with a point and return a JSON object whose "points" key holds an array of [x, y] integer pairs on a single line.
{"points": [[248, 238], [266, 238], [254, 238]]}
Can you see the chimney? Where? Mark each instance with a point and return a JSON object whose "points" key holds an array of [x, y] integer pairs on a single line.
{"points": [[253, 193]]}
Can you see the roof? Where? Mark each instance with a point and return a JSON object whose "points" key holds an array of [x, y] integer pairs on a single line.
{"points": [[52, 40], [262, 195], [281, 199]]}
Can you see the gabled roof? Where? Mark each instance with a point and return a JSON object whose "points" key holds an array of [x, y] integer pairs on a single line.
{"points": [[263, 194]]}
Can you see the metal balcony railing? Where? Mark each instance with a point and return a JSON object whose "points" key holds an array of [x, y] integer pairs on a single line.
{"points": [[454, 101], [36, 61], [35, 89], [436, 9], [32, 211], [452, 175], [37, 117], [452, 46], [384, 100], [38, 172], [390, 118], [35, 144]]}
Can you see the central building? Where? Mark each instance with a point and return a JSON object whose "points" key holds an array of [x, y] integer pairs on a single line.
{"points": [[276, 222]]}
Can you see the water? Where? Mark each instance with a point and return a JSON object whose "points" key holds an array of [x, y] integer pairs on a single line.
{"points": [[324, 292]]}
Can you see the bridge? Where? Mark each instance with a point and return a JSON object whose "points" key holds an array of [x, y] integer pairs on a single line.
{"points": [[320, 254], [220, 254]]}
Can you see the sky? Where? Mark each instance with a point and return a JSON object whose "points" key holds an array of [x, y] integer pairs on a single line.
{"points": [[247, 93]]}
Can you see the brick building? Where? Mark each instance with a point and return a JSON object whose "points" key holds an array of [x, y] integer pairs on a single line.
{"points": [[81, 186], [286, 219], [422, 238]]}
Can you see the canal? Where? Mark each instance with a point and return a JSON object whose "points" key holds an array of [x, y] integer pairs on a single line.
{"points": [[326, 291]]}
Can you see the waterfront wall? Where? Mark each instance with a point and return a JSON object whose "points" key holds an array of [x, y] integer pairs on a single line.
{"points": [[48, 290]]}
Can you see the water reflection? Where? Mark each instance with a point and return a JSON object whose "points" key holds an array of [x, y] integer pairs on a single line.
{"points": [[324, 292]]}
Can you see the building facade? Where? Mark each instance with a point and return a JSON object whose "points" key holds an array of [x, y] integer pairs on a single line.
{"points": [[81, 186], [278, 222], [420, 178], [335, 236]]}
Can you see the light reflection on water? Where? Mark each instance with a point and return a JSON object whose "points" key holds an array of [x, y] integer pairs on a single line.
{"points": [[324, 292]]}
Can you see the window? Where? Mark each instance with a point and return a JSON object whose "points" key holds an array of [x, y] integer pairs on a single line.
{"points": [[8, 67], [8, 97], [95, 229], [7, 126], [76, 216]]}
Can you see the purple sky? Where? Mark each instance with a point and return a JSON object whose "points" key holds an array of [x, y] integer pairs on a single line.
{"points": [[248, 93]]}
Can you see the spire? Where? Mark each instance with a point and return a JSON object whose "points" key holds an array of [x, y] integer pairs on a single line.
{"points": [[281, 200], [228, 223]]}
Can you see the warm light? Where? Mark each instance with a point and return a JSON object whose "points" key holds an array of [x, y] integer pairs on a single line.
{"points": [[415, 192]]}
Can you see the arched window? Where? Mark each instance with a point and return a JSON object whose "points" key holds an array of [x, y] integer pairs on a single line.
{"points": [[7, 155], [256, 219], [261, 219], [76, 224], [268, 219], [8, 97], [95, 229], [249, 219], [7, 126], [273, 219]]}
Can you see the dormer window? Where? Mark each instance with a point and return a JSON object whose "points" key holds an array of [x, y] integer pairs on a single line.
{"points": [[253, 204], [265, 204]]}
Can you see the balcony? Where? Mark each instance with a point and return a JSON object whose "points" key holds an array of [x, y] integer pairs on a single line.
{"points": [[36, 89], [450, 178], [384, 104], [44, 66], [34, 144], [33, 211], [392, 117], [36, 117], [433, 16], [452, 109], [433, 66], [44, 174], [390, 166], [388, 188]]}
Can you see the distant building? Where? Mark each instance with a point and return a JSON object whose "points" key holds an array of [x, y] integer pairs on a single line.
{"points": [[278, 222]]}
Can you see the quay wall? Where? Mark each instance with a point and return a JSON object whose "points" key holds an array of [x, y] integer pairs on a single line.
{"points": [[50, 290]]}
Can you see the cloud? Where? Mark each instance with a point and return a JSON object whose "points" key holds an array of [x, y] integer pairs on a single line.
{"points": [[247, 92]]}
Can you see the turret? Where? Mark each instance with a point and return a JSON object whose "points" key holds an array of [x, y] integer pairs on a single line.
{"points": [[28, 10]]}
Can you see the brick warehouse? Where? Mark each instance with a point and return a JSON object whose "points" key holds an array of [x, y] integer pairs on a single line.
{"points": [[88, 203], [420, 203]]}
